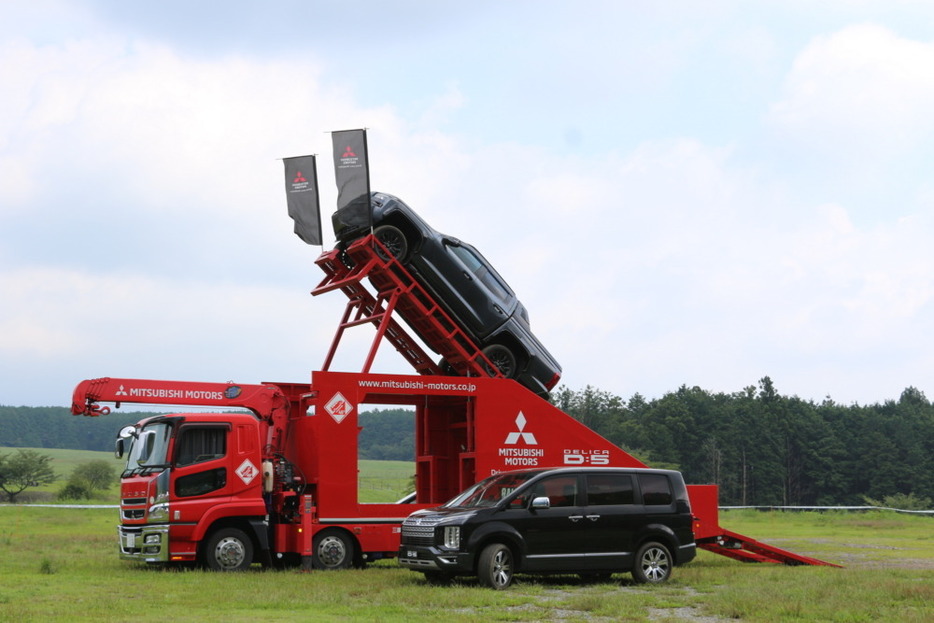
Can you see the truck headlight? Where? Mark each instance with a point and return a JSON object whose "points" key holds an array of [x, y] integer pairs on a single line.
{"points": [[452, 537], [159, 512]]}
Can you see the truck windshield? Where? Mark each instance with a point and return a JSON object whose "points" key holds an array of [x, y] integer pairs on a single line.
{"points": [[149, 450], [491, 491]]}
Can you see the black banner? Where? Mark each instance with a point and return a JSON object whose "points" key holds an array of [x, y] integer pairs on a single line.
{"points": [[301, 189], [352, 173]]}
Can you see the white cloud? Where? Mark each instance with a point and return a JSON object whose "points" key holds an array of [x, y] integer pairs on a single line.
{"points": [[861, 92]]}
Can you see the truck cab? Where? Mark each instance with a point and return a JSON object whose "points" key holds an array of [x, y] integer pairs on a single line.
{"points": [[187, 475]]}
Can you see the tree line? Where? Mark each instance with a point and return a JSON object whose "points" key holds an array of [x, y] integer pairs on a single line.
{"points": [[765, 449], [760, 447]]}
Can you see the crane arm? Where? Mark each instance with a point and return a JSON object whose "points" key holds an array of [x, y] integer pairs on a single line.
{"points": [[267, 402]]}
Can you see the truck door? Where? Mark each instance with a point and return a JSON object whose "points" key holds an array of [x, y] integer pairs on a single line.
{"points": [[490, 301], [200, 471]]}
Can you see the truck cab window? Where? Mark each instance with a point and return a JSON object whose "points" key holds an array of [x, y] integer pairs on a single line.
{"points": [[196, 445]]}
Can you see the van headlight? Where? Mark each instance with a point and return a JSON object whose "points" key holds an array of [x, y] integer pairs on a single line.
{"points": [[452, 537]]}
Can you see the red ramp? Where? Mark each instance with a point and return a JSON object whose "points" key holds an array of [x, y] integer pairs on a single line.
{"points": [[711, 537]]}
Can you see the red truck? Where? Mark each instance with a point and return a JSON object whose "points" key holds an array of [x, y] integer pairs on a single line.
{"points": [[276, 482]]}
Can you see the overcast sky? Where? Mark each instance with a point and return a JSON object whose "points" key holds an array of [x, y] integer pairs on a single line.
{"points": [[699, 193]]}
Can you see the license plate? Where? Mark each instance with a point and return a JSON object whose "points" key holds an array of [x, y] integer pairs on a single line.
{"points": [[130, 540], [412, 553]]}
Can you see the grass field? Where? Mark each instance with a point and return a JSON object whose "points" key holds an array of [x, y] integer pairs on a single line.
{"points": [[379, 481], [61, 563]]}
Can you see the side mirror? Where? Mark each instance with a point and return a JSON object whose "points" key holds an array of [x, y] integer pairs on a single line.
{"points": [[127, 432], [541, 503]]}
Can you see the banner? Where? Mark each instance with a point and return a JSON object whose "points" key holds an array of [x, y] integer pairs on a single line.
{"points": [[301, 190], [351, 171]]}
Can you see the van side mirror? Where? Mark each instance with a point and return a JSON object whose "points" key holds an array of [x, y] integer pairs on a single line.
{"points": [[541, 503]]}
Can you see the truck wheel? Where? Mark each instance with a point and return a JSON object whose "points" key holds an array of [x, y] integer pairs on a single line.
{"points": [[333, 549], [495, 566], [229, 549], [394, 241], [653, 564], [502, 358]]}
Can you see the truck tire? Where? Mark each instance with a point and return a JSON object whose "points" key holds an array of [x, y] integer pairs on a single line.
{"points": [[495, 566], [503, 358], [228, 549], [333, 549], [394, 241], [653, 564]]}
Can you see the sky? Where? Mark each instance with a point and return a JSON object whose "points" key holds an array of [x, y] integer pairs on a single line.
{"points": [[681, 193]]}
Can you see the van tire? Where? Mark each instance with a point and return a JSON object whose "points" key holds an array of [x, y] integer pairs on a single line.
{"points": [[653, 564]]}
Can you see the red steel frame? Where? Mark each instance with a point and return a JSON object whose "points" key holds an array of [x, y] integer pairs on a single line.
{"points": [[397, 290]]}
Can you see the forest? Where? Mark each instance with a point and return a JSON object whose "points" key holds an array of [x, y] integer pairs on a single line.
{"points": [[760, 447], [763, 448]]}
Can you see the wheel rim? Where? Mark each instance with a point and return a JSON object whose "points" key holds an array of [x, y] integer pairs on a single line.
{"points": [[655, 564], [394, 242], [502, 359], [502, 568], [332, 551], [230, 553]]}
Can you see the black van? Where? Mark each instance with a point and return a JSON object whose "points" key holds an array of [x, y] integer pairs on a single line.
{"points": [[591, 521]]}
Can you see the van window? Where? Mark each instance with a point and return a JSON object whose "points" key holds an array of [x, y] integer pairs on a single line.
{"points": [[560, 491], [609, 489], [480, 270], [656, 490]]}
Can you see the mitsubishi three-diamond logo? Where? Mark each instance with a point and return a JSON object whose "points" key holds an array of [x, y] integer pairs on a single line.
{"points": [[514, 437]]}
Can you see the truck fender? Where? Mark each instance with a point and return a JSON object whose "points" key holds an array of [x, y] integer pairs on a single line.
{"points": [[234, 513]]}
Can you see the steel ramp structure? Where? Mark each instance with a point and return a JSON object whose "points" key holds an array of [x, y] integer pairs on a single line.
{"points": [[396, 291], [710, 537], [745, 549]]}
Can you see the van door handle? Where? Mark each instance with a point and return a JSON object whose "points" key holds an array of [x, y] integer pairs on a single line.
{"points": [[593, 517], [574, 518]]}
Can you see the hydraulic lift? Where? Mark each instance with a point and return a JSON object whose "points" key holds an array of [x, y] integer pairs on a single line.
{"points": [[366, 264]]}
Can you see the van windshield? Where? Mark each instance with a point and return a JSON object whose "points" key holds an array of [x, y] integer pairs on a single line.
{"points": [[491, 491]]}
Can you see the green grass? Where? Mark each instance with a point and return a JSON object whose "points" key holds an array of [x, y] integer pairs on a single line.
{"points": [[379, 481], [58, 563]]}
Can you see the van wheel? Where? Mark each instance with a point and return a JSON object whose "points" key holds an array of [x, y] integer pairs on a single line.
{"points": [[332, 549], [653, 564], [503, 358], [394, 241], [495, 566], [229, 549]]}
